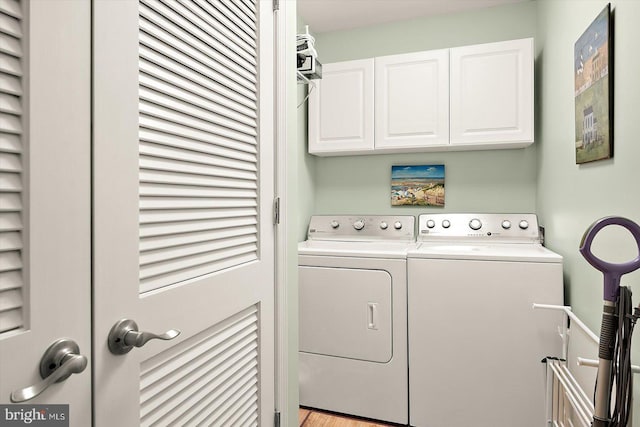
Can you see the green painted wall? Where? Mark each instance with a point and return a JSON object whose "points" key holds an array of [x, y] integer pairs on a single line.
{"points": [[489, 181], [571, 197], [543, 178], [306, 162]]}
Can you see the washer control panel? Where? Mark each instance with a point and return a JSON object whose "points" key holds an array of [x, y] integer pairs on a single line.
{"points": [[512, 228], [362, 227]]}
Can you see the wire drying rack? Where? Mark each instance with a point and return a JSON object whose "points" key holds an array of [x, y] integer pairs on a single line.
{"points": [[567, 402]]}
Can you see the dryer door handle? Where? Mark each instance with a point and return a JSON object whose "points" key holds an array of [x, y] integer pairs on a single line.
{"points": [[372, 315]]}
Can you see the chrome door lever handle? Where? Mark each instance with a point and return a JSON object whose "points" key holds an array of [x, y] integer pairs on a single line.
{"points": [[59, 361], [125, 335], [138, 339]]}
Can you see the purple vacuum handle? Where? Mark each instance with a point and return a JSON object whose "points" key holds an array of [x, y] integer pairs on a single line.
{"points": [[612, 272]]}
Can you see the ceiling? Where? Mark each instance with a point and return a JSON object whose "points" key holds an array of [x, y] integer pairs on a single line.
{"points": [[332, 15]]}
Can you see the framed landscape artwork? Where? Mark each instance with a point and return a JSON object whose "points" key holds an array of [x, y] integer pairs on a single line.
{"points": [[417, 185], [594, 91]]}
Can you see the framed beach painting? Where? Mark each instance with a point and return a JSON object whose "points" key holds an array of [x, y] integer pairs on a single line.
{"points": [[594, 90], [417, 185]]}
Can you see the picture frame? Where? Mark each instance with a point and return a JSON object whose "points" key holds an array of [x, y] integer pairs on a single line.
{"points": [[417, 185], [593, 80]]}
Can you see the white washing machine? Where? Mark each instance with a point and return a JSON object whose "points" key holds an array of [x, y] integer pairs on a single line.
{"points": [[475, 343], [353, 315]]}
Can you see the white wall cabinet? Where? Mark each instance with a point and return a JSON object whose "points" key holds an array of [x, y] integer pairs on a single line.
{"points": [[466, 98], [341, 109], [412, 100], [492, 93]]}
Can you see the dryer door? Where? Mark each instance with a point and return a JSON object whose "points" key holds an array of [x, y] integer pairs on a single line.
{"points": [[346, 312]]}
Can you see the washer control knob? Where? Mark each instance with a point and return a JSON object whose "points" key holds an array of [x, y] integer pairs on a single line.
{"points": [[506, 224], [446, 223], [335, 224], [359, 224], [431, 223], [397, 225], [524, 224], [384, 225], [475, 224]]}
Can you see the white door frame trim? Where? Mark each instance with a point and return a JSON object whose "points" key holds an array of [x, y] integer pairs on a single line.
{"points": [[283, 76]]}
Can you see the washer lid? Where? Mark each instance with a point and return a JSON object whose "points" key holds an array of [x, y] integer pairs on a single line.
{"points": [[488, 252], [367, 249]]}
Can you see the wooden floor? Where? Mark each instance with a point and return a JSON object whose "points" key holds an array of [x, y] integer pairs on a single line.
{"points": [[315, 418]]}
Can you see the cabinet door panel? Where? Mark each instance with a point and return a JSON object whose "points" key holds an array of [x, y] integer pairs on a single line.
{"points": [[341, 108], [412, 100], [492, 93]]}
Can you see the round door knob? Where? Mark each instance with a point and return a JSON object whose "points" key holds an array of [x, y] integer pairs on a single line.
{"points": [[524, 224], [431, 223], [359, 224], [475, 224], [506, 224], [384, 225], [397, 225], [335, 224], [446, 223]]}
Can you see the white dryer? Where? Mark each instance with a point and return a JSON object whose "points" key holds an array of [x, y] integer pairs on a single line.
{"points": [[475, 343], [353, 315]]}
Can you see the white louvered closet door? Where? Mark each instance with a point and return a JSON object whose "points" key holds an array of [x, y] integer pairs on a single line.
{"points": [[183, 221], [45, 202]]}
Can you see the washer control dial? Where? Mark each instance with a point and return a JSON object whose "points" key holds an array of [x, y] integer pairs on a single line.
{"points": [[506, 224], [384, 225], [431, 223], [359, 224], [397, 225], [446, 223], [475, 224], [335, 224], [524, 224]]}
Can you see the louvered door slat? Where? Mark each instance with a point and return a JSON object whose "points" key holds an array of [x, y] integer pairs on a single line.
{"points": [[192, 106], [10, 65], [235, 7], [173, 240], [10, 26], [151, 217], [187, 382], [163, 30], [180, 159], [10, 241], [209, 379], [187, 91], [10, 182], [10, 104], [226, 25], [153, 123], [10, 162], [196, 123], [178, 141], [10, 280], [159, 177], [219, 37], [11, 166], [10, 202], [166, 228], [198, 139], [229, 101], [10, 261], [183, 65], [11, 8]]}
